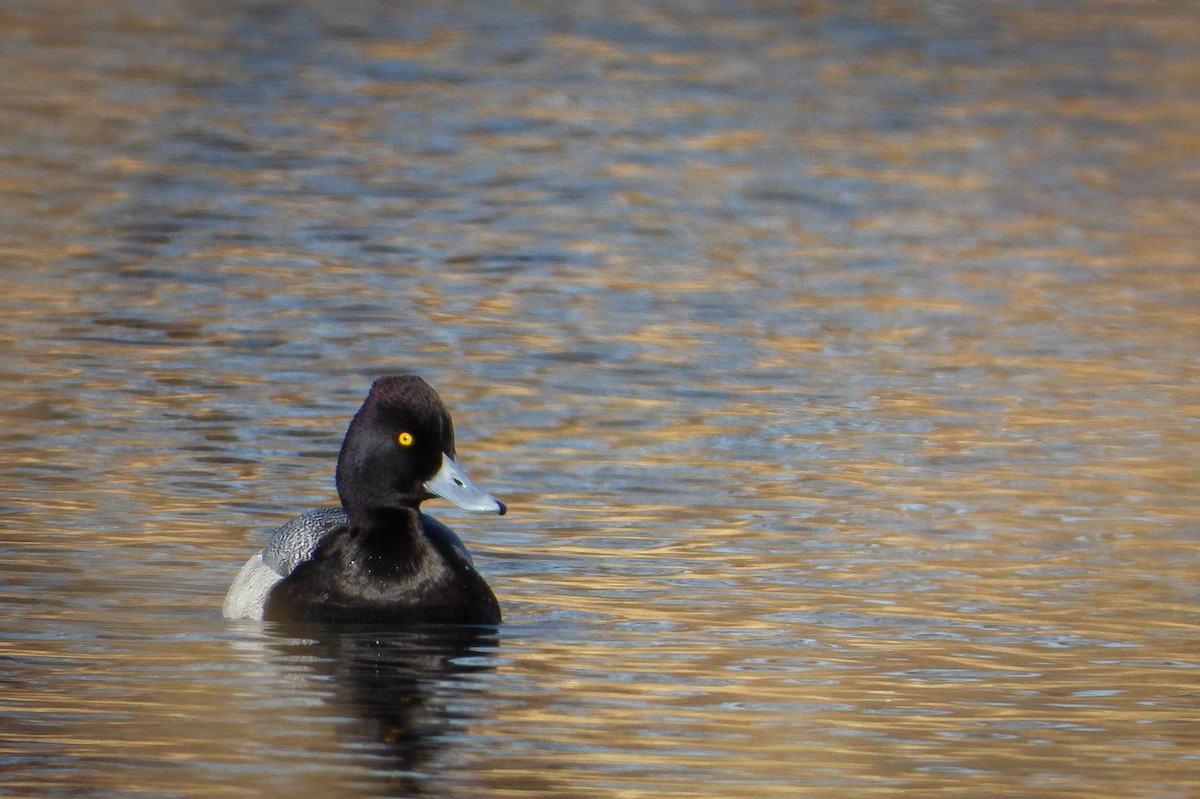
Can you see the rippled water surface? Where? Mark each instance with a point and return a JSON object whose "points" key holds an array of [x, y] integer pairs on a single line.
{"points": [[838, 363]]}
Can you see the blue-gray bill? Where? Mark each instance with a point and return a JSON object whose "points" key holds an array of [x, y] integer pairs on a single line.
{"points": [[453, 484]]}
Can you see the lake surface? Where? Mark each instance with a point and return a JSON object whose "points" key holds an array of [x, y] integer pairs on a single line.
{"points": [[839, 366]]}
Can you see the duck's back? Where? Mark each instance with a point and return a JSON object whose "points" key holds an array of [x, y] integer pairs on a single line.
{"points": [[295, 542], [310, 570], [290, 544], [416, 575]]}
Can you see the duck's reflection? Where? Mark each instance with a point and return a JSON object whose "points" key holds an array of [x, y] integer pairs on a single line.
{"points": [[404, 689]]}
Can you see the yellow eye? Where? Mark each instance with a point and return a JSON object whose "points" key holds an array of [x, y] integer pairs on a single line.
{"points": [[405, 439]]}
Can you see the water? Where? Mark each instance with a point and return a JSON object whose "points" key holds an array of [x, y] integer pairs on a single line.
{"points": [[838, 367]]}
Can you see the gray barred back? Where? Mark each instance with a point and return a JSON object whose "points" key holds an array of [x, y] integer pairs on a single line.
{"points": [[294, 542]]}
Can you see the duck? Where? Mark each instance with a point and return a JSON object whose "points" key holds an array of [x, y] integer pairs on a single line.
{"points": [[378, 558]]}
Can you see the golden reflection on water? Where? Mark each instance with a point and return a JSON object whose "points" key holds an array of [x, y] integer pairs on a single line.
{"points": [[842, 384]]}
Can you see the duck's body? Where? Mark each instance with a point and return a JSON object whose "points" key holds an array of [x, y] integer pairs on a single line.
{"points": [[378, 558]]}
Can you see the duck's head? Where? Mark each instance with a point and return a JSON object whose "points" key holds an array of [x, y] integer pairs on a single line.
{"points": [[399, 452]]}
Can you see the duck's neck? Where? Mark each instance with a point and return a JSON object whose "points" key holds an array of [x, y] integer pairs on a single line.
{"points": [[386, 521], [388, 540]]}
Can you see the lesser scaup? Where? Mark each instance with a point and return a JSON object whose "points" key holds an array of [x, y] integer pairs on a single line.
{"points": [[378, 558]]}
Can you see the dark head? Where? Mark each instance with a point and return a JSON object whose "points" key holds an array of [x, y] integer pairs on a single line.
{"points": [[399, 451]]}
